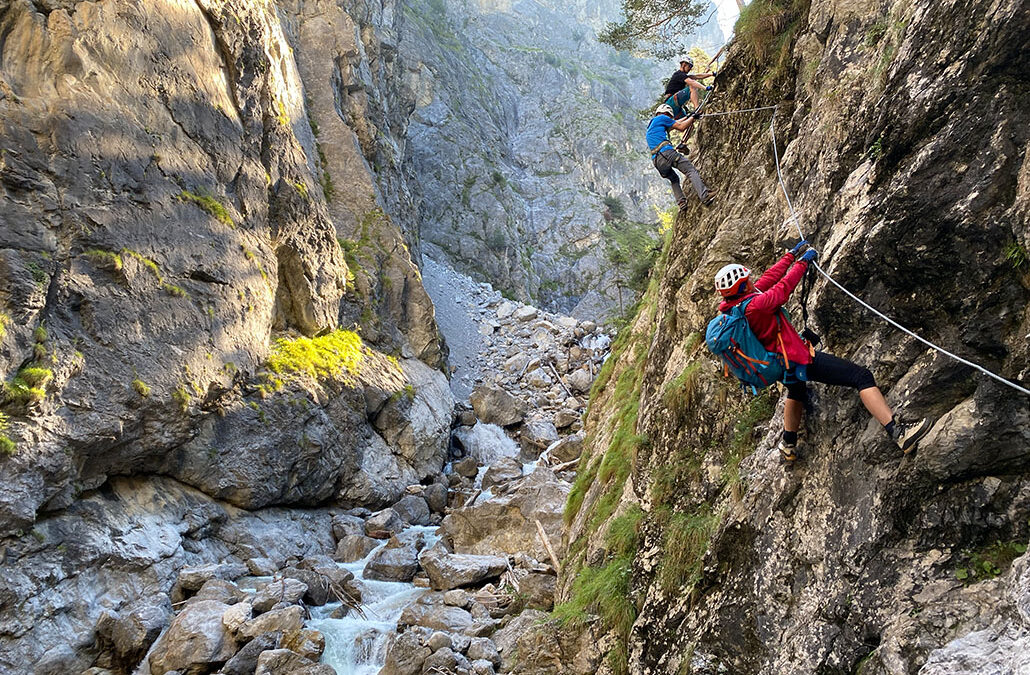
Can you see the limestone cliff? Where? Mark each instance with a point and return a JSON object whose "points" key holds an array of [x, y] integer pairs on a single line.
{"points": [[902, 128], [522, 126], [201, 288]]}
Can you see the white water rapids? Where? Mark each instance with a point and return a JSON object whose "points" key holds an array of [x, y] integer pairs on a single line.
{"points": [[356, 645]]}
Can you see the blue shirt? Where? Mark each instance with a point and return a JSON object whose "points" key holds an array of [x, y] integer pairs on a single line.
{"points": [[658, 130]]}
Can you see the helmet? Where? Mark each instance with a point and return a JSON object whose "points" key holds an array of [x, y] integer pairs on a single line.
{"points": [[732, 279], [689, 61], [663, 109]]}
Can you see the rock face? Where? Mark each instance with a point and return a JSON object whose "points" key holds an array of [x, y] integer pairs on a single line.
{"points": [[528, 215], [855, 559]]}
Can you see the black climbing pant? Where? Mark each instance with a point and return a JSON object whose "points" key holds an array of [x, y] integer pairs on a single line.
{"points": [[834, 370], [668, 161]]}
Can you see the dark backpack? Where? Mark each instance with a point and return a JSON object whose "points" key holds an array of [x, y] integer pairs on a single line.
{"points": [[729, 336]]}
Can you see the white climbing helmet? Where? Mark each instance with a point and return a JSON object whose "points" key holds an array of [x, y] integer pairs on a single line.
{"points": [[731, 279], [663, 109]]}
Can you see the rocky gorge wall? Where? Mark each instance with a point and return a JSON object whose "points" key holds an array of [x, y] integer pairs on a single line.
{"points": [[524, 125], [203, 298], [902, 128]]}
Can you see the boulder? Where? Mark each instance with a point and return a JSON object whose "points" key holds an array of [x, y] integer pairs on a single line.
{"points": [[506, 309], [457, 598], [517, 363], [441, 661], [196, 641], [261, 567], [237, 615], [289, 591], [245, 661], [501, 472], [536, 436], [281, 620], [354, 547], [567, 449], [565, 418], [317, 593], [430, 612], [192, 578], [406, 654], [580, 380], [483, 668], [383, 524], [449, 570], [220, 590], [484, 649], [436, 497], [306, 642], [467, 467], [538, 590], [344, 525], [507, 522], [460, 642], [525, 313], [539, 379], [506, 638], [543, 339], [127, 635], [281, 662], [494, 405], [439, 640], [393, 564], [413, 510], [481, 627]]}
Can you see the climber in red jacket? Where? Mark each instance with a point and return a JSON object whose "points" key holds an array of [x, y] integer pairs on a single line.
{"points": [[776, 334]]}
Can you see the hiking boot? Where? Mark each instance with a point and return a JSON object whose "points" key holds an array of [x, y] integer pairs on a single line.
{"points": [[707, 201], [788, 451], [907, 434], [682, 204]]}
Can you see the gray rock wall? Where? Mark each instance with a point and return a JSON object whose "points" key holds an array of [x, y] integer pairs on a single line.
{"points": [[856, 559], [165, 217]]}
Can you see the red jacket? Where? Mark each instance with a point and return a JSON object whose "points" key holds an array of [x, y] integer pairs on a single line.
{"points": [[775, 288]]}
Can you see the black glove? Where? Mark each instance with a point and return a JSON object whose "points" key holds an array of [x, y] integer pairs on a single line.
{"points": [[697, 115]]}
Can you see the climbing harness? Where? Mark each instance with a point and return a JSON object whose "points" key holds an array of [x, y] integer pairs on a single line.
{"points": [[937, 348]]}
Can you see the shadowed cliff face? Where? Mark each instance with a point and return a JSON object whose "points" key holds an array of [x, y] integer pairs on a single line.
{"points": [[168, 206], [903, 139]]}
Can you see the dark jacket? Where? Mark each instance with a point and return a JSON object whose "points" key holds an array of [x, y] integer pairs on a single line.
{"points": [[676, 83]]}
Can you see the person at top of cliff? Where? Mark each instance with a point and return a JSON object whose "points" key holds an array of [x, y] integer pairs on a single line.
{"points": [[770, 325], [683, 89], [667, 159]]}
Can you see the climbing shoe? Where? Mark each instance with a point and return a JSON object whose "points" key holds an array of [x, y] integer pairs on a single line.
{"points": [[707, 201], [788, 451], [907, 434], [682, 204]]}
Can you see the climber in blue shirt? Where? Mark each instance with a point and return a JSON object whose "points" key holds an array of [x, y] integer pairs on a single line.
{"points": [[667, 160]]}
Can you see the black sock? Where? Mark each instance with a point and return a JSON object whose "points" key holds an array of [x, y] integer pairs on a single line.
{"points": [[790, 437], [889, 428]]}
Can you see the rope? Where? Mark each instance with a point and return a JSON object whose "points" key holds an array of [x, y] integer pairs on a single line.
{"points": [[743, 110], [939, 349]]}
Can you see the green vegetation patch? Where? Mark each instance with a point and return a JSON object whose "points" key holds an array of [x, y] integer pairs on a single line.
{"points": [[989, 561], [685, 540], [764, 34], [107, 260], [141, 388], [339, 355], [212, 206], [7, 446], [29, 384]]}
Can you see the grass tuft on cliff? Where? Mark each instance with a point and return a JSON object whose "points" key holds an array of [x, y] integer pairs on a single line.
{"points": [[764, 34], [208, 203], [338, 355]]}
